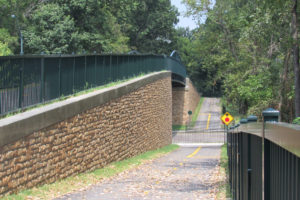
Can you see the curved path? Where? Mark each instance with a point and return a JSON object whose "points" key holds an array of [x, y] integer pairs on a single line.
{"points": [[187, 173], [191, 172], [208, 127]]}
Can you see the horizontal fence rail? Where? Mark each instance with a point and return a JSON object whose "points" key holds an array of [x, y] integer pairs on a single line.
{"points": [[264, 161], [200, 132], [29, 80]]}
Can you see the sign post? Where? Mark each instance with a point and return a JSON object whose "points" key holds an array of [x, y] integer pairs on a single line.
{"points": [[190, 116], [226, 119]]}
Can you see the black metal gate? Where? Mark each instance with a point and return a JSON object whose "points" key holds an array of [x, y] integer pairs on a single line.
{"points": [[201, 132]]}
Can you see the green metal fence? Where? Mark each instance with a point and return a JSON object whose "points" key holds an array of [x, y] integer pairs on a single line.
{"points": [[30, 80], [264, 161]]}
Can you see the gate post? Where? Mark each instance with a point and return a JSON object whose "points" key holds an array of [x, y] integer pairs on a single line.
{"points": [[269, 115], [266, 170]]}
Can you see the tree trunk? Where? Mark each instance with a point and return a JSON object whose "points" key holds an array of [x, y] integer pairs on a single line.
{"points": [[283, 89], [296, 58]]}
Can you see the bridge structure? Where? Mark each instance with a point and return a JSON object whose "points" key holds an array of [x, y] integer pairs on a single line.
{"points": [[264, 158], [29, 80]]}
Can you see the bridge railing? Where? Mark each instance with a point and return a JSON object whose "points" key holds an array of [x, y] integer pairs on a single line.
{"points": [[32, 79], [264, 161], [178, 72]]}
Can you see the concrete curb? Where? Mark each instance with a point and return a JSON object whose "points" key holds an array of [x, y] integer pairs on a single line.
{"points": [[23, 124]]}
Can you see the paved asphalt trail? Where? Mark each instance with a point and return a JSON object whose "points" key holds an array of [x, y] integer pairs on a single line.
{"points": [[191, 172], [209, 115], [179, 175], [208, 127]]}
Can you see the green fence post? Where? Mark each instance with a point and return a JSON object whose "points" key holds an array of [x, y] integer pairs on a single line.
{"points": [[42, 79], [269, 115], [95, 70], [59, 76], [128, 67], [267, 169], [298, 178], [117, 74], [84, 72], [103, 78], [249, 166], [73, 75], [21, 84], [110, 70]]}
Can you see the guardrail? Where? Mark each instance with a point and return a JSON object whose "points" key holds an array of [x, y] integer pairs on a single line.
{"points": [[264, 161], [32, 79]]}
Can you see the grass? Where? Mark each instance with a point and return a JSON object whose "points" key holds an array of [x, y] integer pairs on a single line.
{"points": [[49, 191], [224, 188], [194, 118], [61, 98], [179, 127], [195, 115], [296, 121]]}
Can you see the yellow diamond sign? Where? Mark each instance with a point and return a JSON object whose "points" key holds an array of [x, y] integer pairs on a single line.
{"points": [[226, 118]]}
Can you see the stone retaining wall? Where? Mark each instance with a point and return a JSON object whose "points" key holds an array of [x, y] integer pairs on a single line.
{"points": [[112, 131], [183, 100]]}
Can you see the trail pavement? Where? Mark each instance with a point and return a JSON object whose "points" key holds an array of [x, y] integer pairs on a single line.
{"points": [[187, 173], [191, 172]]}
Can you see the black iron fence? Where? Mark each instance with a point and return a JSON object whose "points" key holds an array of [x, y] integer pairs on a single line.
{"points": [[264, 161], [200, 132], [30, 80]]}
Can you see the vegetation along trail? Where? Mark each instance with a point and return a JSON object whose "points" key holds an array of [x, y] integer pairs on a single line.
{"points": [[245, 51]]}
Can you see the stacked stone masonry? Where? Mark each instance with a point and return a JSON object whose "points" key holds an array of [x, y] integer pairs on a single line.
{"points": [[119, 129], [184, 99]]}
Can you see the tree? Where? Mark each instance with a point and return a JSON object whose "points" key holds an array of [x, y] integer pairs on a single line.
{"points": [[74, 26], [7, 42], [296, 57], [88, 25], [245, 47], [152, 26], [50, 31]]}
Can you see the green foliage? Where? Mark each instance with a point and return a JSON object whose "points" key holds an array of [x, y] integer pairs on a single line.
{"points": [[242, 52], [50, 31], [178, 127], [296, 121], [73, 27], [6, 40], [194, 118], [79, 26], [4, 50], [225, 186], [196, 112], [152, 28]]}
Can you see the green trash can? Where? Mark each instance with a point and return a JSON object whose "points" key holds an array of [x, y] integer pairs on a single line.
{"points": [[244, 121], [270, 115], [252, 118]]}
